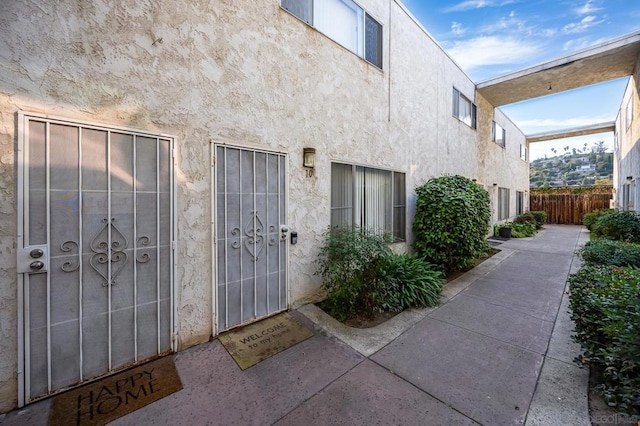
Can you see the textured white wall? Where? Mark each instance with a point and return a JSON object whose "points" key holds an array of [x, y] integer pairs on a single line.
{"points": [[245, 73], [627, 155]]}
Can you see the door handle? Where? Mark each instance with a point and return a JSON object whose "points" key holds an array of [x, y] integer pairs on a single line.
{"points": [[36, 265]]}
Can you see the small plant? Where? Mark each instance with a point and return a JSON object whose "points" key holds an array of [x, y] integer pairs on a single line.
{"points": [[526, 218], [609, 252], [618, 225], [520, 230], [410, 282], [349, 264], [451, 222], [590, 218], [605, 304], [362, 276], [540, 217]]}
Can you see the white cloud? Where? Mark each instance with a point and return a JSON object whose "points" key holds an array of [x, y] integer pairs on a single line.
{"points": [[457, 29], [579, 27], [477, 4], [581, 43], [560, 123], [491, 50], [587, 8]]}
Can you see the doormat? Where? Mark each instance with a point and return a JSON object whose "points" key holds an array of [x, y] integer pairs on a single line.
{"points": [[258, 341], [107, 399]]}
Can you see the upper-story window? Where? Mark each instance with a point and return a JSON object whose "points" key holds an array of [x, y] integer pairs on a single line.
{"points": [[463, 109], [498, 134], [629, 112], [343, 21], [523, 152]]}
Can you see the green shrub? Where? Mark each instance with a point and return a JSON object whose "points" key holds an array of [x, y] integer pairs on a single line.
{"points": [[521, 230], [618, 225], [590, 218], [605, 304], [362, 276], [349, 263], [525, 218], [540, 216], [609, 252], [451, 222], [409, 282]]}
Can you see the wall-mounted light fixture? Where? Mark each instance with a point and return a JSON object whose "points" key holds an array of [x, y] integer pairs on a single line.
{"points": [[309, 157], [629, 178], [495, 184]]}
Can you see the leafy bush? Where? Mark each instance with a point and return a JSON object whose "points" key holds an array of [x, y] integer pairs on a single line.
{"points": [[590, 218], [363, 276], [618, 225], [525, 218], [521, 230], [608, 252], [605, 304], [540, 216], [451, 222], [349, 264], [409, 282]]}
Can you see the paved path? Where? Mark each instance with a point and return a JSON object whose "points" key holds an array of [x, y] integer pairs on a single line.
{"points": [[476, 359]]}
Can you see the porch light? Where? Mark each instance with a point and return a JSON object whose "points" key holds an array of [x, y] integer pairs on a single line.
{"points": [[629, 178], [309, 157]]}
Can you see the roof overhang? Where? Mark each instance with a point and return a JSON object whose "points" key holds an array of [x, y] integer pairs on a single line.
{"points": [[606, 61], [576, 131]]}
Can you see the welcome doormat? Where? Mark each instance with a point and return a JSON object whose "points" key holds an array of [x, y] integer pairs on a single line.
{"points": [[107, 399], [258, 341]]}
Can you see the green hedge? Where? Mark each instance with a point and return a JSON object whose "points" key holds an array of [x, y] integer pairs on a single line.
{"points": [[618, 225], [362, 276], [540, 216], [451, 222], [605, 304], [609, 252]]}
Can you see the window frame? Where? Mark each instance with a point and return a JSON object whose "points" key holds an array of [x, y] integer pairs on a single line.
{"points": [[628, 113], [524, 152], [519, 202], [361, 49], [458, 97], [397, 224], [494, 134]]}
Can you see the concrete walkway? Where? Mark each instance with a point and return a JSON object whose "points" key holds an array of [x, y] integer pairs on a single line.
{"points": [[482, 357]]}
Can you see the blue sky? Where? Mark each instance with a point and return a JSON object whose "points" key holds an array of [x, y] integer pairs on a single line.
{"points": [[488, 38]]}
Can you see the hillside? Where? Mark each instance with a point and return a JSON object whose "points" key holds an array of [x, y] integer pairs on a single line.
{"points": [[572, 169]]}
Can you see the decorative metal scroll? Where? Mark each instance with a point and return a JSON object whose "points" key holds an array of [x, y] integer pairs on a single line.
{"points": [[105, 252], [69, 266], [255, 236]]}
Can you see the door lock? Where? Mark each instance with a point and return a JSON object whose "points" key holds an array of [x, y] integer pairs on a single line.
{"points": [[33, 259], [284, 232], [37, 254], [36, 265]]}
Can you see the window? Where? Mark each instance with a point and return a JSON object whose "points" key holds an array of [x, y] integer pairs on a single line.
{"points": [[523, 152], [463, 109], [503, 203], [370, 198], [519, 202], [498, 134], [628, 196], [344, 22], [629, 112]]}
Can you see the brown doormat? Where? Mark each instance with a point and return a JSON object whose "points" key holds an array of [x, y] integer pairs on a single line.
{"points": [[258, 341], [107, 399]]}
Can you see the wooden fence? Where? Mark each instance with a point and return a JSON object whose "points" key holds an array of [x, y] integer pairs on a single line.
{"points": [[568, 208]]}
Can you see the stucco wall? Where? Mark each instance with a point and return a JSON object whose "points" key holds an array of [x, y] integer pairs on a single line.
{"points": [[627, 150], [245, 73]]}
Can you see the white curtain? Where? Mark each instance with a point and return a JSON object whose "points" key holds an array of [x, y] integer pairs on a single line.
{"points": [[341, 20], [373, 199]]}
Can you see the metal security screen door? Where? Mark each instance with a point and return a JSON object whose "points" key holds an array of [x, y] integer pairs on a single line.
{"points": [[96, 252], [251, 235]]}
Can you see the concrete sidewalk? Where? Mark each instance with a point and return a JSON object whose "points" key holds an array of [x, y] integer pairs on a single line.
{"points": [[475, 359]]}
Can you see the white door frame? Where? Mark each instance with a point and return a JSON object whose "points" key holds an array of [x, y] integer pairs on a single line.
{"points": [[214, 211], [22, 118]]}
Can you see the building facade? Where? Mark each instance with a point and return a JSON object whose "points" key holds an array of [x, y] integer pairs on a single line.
{"points": [[626, 163], [153, 189]]}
